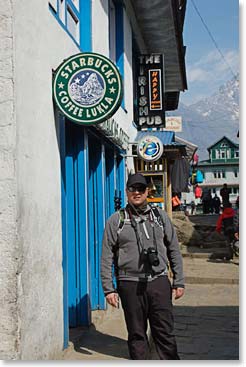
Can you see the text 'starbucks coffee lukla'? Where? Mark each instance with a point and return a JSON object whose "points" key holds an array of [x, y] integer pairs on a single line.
{"points": [[87, 88]]}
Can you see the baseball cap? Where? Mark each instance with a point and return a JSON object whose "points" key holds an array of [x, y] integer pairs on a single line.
{"points": [[136, 178]]}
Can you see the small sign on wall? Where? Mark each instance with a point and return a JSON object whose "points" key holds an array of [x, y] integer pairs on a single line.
{"points": [[149, 108], [173, 123]]}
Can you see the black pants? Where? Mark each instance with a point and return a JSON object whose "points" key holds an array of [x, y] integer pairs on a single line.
{"points": [[149, 300]]}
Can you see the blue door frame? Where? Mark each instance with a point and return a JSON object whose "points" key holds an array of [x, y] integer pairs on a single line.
{"points": [[76, 226], [91, 171], [96, 214]]}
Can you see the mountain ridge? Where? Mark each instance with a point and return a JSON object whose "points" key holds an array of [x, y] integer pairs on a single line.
{"points": [[208, 120]]}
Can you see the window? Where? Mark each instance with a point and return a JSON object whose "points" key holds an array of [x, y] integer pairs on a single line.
{"points": [[53, 5], [72, 23], [219, 174], [76, 3], [236, 154], [223, 145], [67, 12], [217, 154], [235, 173], [222, 154]]}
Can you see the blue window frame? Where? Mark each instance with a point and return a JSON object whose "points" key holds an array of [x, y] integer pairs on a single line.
{"points": [[116, 36], [74, 16]]}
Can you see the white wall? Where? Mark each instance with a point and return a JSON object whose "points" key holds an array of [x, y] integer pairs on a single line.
{"points": [[32, 44], [8, 247], [40, 45], [100, 44]]}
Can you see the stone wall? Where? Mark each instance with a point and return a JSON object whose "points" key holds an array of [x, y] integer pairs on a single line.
{"points": [[8, 248]]}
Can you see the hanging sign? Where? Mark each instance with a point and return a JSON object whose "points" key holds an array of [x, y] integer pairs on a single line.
{"points": [[149, 107], [150, 148], [87, 88], [173, 123]]}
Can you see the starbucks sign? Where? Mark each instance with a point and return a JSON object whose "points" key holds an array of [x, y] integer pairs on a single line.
{"points": [[87, 88]]}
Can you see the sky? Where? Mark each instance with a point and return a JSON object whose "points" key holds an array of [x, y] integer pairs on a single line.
{"points": [[206, 68]]}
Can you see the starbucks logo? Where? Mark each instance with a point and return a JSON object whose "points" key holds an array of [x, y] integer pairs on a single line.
{"points": [[87, 88], [150, 148]]}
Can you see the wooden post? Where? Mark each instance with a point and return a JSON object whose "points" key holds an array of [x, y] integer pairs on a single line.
{"points": [[169, 191]]}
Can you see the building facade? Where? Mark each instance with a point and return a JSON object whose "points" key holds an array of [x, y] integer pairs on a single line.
{"points": [[59, 180], [222, 167]]}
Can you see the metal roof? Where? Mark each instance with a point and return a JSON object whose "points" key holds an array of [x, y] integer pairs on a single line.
{"points": [[158, 28], [190, 148], [166, 137], [223, 137]]}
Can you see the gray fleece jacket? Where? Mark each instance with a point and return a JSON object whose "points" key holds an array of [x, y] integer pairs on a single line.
{"points": [[129, 262]]}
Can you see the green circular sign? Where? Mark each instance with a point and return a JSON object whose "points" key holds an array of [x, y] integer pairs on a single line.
{"points": [[88, 88]]}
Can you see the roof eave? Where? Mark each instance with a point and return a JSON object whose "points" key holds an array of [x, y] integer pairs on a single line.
{"points": [[160, 23]]}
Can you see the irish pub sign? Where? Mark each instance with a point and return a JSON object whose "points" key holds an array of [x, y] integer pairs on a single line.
{"points": [[87, 88], [149, 105]]}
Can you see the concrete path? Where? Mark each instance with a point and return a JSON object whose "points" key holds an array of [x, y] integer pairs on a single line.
{"points": [[206, 319]]}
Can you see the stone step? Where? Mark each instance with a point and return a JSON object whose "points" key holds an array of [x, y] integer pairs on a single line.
{"points": [[201, 251], [207, 280], [211, 271], [212, 244]]}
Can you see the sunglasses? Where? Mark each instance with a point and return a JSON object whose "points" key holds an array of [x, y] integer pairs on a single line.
{"points": [[140, 189]]}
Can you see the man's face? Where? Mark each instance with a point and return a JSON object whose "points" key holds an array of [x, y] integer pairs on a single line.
{"points": [[137, 194]]}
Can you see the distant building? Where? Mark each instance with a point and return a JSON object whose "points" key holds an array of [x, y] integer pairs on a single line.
{"points": [[222, 167]]}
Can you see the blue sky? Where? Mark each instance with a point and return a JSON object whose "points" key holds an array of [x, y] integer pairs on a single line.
{"points": [[205, 68]]}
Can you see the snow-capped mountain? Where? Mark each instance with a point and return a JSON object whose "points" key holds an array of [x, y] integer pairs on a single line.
{"points": [[206, 121]]}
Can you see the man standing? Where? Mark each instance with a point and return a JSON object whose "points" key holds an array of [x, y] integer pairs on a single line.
{"points": [[216, 204], [225, 194], [139, 240]]}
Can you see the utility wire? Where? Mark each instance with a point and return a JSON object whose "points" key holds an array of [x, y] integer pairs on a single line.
{"points": [[212, 38]]}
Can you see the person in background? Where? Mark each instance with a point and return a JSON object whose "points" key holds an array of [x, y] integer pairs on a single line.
{"points": [[225, 194], [206, 200], [225, 222], [198, 194], [236, 220], [193, 207], [216, 204]]}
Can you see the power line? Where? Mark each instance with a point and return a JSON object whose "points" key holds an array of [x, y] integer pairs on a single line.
{"points": [[212, 38]]}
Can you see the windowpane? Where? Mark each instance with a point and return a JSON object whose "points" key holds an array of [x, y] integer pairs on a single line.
{"points": [[112, 32], [53, 4], [222, 154], [76, 3], [72, 24]]}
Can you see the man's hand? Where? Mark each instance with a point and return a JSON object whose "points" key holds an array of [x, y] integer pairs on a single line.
{"points": [[113, 299], [178, 293]]}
